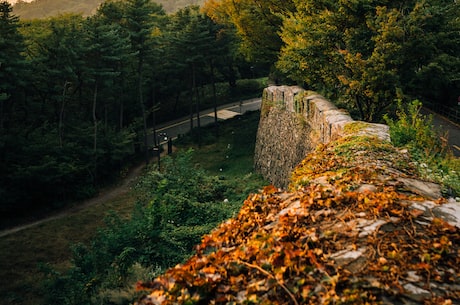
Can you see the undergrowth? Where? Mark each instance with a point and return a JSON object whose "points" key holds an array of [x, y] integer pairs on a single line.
{"points": [[415, 132], [194, 191]]}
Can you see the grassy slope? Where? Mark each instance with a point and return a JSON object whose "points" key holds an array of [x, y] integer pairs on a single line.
{"points": [[49, 243]]}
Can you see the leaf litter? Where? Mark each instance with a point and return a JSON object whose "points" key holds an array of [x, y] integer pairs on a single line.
{"points": [[348, 231]]}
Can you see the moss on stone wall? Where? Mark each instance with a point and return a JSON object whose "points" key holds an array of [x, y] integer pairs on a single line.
{"points": [[292, 127], [355, 228]]}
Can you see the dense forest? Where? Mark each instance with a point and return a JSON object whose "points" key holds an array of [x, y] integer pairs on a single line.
{"points": [[81, 93], [365, 54], [79, 96], [48, 8]]}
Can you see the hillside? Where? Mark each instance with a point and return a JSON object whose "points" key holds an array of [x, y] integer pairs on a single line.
{"points": [[356, 225], [47, 8]]}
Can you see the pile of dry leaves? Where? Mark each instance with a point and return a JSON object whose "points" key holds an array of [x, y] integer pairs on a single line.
{"points": [[356, 227]]}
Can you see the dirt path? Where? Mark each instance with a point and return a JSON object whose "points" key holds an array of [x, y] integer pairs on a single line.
{"points": [[104, 195]]}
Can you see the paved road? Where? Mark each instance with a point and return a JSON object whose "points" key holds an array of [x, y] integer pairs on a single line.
{"points": [[452, 129], [182, 126]]}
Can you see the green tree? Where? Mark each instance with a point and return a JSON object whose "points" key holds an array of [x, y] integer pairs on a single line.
{"points": [[140, 24], [257, 23], [192, 42], [431, 68], [12, 73], [106, 49], [112, 12], [176, 207], [369, 54], [12, 64], [41, 166], [55, 50], [61, 128], [199, 47]]}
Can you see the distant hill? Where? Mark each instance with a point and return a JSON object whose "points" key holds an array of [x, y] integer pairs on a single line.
{"points": [[47, 8]]}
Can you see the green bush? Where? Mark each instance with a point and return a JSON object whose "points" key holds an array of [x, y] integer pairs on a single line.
{"points": [[416, 132], [247, 86]]}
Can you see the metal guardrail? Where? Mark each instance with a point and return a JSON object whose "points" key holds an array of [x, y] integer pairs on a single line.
{"points": [[451, 113]]}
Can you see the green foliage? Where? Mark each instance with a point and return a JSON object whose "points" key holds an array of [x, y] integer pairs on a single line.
{"points": [[256, 23], [67, 118], [416, 132], [248, 87], [176, 206], [413, 130], [13, 68], [69, 124], [179, 177], [369, 54]]}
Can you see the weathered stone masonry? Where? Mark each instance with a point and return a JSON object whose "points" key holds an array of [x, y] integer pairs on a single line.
{"points": [[357, 225], [293, 122]]}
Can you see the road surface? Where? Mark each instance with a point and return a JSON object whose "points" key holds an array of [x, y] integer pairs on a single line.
{"points": [[452, 129], [182, 126]]}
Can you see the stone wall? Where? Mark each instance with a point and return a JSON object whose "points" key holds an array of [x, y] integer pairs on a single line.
{"points": [[357, 225], [295, 121]]}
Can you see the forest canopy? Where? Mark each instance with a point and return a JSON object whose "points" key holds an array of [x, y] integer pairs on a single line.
{"points": [[365, 54], [78, 93], [79, 96]]}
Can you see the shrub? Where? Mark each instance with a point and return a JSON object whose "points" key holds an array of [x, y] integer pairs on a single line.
{"points": [[249, 87], [176, 206], [416, 132]]}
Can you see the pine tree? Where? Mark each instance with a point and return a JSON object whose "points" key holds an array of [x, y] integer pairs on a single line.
{"points": [[106, 48], [140, 23], [12, 64]]}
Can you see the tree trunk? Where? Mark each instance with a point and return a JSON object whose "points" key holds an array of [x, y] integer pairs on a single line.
{"points": [[95, 132], [359, 106], [1, 113], [214, 97], [197, 96], [61, 115], [176, 102], [106, 117], [144, 118], [191, 111], [121, 114], [154, 121], [121, 100]]}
